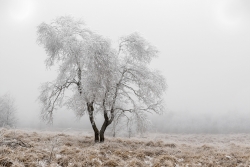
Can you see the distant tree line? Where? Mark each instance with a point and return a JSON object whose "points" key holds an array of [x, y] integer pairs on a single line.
{"points": [[7, 111]]}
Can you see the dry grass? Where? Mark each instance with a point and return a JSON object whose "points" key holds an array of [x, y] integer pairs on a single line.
{"points": [[56, 149]]}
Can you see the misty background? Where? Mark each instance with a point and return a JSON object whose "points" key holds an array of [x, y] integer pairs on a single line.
{"points": [[204, 56]]}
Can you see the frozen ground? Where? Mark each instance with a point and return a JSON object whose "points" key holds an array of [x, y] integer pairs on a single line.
{"points": [[40, 149]]}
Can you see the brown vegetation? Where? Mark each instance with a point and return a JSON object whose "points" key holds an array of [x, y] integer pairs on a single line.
{"points": [[54, 149]]}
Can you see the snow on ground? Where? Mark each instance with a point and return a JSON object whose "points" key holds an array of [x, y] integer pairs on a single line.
{"points": [[74, 148]]}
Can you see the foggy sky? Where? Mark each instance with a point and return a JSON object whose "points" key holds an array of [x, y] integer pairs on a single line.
{"points": [[204, 55]]}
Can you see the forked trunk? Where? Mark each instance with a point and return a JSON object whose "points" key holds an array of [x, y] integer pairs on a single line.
{"points": [[99, 136]]}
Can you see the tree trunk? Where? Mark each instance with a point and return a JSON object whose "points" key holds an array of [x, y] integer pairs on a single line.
{"points": [[96, 136], [104, 126], [99, 136], [92, 121]]}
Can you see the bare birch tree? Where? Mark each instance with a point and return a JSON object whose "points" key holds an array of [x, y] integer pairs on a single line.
{"points": [[7, 111], [102, 79]]}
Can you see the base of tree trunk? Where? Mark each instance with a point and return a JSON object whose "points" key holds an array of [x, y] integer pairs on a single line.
{"points": [[97, 137], [102, 136], [101, 140]]}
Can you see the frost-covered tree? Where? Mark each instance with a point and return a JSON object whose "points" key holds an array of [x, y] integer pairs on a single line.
{"points": [[7, 111], [101, 79]]}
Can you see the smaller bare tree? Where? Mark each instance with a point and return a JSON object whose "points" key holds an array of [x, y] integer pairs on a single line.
{"points": [[7, 111], [118, 122], [134, 123]]}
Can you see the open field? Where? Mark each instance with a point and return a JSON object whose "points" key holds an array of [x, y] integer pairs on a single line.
{"points": [[40, 149]]}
